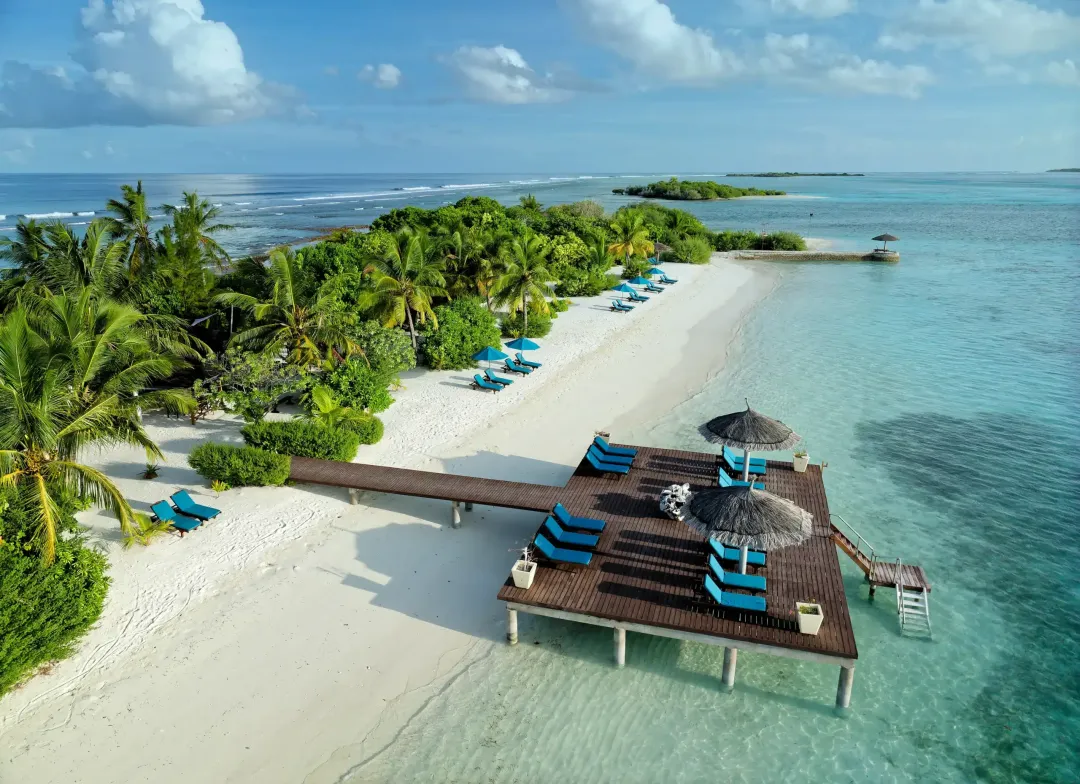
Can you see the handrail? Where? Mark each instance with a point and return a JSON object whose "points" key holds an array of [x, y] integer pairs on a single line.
{"points": [[859, 541], [900, 592]]}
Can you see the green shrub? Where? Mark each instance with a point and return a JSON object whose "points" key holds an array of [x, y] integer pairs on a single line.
{"points": [[238, 466], [782, 240], [751, 240], [635, 267], [513, 325], [576, 282], [44, 610], [303, 439], [689, 250], [358, 386], [465, 327], [560, 305], [388, 351], [736, 240], [368, 429]]}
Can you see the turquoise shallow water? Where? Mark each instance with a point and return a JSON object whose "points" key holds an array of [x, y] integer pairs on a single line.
{"points": [[942, 392]]}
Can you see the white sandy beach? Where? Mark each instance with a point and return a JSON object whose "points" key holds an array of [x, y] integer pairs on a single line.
{"points": [[293, 636]]}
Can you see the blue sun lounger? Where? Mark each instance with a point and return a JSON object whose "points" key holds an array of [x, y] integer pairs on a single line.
{"points": [[737, 601], [652, 287], [758, 469], [494, 379], [569, 537], [735, 457], [751, 582], [608, 449], [180, 522], [665, 279], [635, 297], [724, 480], [514, 367], [596, 460], [553, 553], [611, 458], [479, 382], [527, 363], [753, 557], [569, 521], [185, 504], [620, 307]]}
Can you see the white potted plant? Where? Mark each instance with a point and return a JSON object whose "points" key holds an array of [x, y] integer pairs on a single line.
{"points": [[810, 616], [524, 570], [801, 461]]}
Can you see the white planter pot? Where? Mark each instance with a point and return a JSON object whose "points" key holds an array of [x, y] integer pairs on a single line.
{"points": [[801, 463], [809, 623], [524, 574]]}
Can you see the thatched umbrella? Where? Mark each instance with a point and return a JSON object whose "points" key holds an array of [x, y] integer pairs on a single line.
{"points": [[748, 519], [749, 431], [885, 239]]}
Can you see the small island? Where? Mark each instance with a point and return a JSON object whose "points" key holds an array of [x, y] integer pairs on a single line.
{"points": [[798, 174], [690, 190], [1052, 171]]}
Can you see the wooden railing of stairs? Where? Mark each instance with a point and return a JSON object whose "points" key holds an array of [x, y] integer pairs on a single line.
{"points": [[910, 581]]}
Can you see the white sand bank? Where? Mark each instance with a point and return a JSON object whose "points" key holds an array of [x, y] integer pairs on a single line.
{"points": [[291, 638]]}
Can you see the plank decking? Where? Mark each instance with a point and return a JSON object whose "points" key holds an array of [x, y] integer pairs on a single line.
{"points": [[649, 570]]}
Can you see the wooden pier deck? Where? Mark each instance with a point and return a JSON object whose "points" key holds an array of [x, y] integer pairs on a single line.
{"points": [[648, 570]]}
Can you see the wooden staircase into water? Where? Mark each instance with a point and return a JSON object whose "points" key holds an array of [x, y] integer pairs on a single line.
{"points": [[910, 581]]}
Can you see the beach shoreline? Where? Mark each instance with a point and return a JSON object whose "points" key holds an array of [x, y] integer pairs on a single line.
{"points": [[296, 636]]}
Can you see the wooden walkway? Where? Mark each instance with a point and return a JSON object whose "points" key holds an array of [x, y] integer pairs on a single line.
{"points": [[879, 572], [649, 570]]}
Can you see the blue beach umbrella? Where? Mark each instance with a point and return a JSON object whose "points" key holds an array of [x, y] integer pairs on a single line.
{"points": [[523, 344], [640, 281], [489, 354], [657, 271], [625, 288]]}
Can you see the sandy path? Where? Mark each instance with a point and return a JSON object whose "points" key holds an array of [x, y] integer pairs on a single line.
{"points": [[292, 639]]}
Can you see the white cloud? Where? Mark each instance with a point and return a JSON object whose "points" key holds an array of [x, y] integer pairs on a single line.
{"points": [[499, 74], [19, 152], [822, 9], [1066, 73], [800, 59], [141, 62], [331, 70], [384, 76], [646, 33], [985, 28]]}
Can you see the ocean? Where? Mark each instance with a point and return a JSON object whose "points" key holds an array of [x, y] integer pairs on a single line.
{"points": [[942, 393]]}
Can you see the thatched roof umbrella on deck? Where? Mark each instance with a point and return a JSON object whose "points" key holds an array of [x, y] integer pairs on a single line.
{"points": [[749, 431], [748, 519], [885, 239]]}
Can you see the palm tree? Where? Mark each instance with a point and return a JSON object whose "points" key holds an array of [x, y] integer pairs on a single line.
{"points": [[631, 235], [68, 375], [327, 410], [310, 328], [193, 223], [130, 223], [94, 261], [526, 280], [464, 254], [531, 203], [25, 256], [405, 281], [680, 223], [598, 257]]}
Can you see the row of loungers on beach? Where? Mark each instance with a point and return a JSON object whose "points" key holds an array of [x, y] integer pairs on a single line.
{"points": [[621, 307], [187, 514], [492, 382]]}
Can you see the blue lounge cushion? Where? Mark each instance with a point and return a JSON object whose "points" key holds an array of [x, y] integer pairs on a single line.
{"points": [[638, 298], [724, 480], [617, 305], [553, 553], [735, 457], [596, 461], [753, 557], [497, 379], [483, 383], [666, 279], [608, 449], [611, 457], [738, 601], [569, 537], [527, 362], [737, 467], [515, 367], [187, 505], [751, 582], [585, 523], [167, 514]]}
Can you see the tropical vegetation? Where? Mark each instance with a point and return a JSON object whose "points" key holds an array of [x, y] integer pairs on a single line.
{"points": [[691, 190]]}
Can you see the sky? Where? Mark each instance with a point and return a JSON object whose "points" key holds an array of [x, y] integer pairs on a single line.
{"points": [[538, 86]]}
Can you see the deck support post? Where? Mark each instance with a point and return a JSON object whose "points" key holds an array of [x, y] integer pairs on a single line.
{"points": [[843, 688], [468, 506], [620, 647], [746, 465], [354, 496], [731, 657], [511, 626], [455, 514], [744, 553]]}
